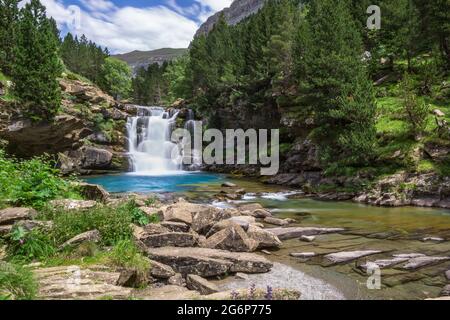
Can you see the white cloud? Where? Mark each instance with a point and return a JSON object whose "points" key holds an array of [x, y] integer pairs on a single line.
{"points": [[128, 28]]}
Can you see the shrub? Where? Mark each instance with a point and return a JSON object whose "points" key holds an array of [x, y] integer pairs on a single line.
{"points": [[36, 182], [126, 255], [16, 282], [27, 246], [114, 224]]}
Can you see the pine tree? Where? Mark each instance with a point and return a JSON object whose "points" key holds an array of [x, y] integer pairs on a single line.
{"points": [[37, 65], [336, 85], [8, 19]]}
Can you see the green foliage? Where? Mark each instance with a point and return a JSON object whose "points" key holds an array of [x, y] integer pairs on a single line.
{"points": [[116, 78], [149, 85], [9, 13], [177, 79], [83, 57], [126, 255], [36, 182], [29, 246], [16, 282], [114, 224], [336, 85], [36, 63], [415, 112]]}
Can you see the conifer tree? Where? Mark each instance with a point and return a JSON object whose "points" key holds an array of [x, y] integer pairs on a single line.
{"points": [[36, 65], [336, 84], [8, 19]]}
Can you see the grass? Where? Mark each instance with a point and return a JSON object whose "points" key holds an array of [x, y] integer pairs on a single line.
{"points": [[16, 282]]}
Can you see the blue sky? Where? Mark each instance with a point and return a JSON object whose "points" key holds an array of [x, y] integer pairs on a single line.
{"points": [[127, 25]]}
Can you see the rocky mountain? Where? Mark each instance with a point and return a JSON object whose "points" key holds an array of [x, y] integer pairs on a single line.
{"points": [[137, 59], [239, 10]]}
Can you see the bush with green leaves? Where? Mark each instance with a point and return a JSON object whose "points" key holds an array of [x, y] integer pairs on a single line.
{"points": [[16, 282], [114, 224], [32, 182], [26, 246], [126, 255]]}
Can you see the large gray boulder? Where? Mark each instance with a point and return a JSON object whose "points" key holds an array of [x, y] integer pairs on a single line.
{"points": [[265, 239], [160, 271], [232, 238], [209, 262]]}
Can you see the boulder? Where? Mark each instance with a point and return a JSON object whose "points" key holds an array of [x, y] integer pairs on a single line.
{"points": [[177, 280], [307, 238], [131, 278], [229, 185], [224, 224], [175, 226], [197, 283], [297, 232], [34, 224], [276, 221], [438, 113], [205, 218], [114, 114], [243, 221], [11, 215], [89, 236], [420, 262], [209, 262], [264, 238], [303, 255], [93, 192], [347, 256], [232, 238], [383, 264], [178, 214], [170, 239], [69, 204], [250, 207], [160, 271], [261, 214]]}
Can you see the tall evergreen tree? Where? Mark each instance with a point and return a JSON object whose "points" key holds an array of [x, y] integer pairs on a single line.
{"points": [[37, 65], [9, 13], [336, 84]]}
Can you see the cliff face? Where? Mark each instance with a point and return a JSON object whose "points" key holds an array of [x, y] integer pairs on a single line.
{"points": [[239, 10]]}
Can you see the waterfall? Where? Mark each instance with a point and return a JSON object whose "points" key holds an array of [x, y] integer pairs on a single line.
{"points": [[150, 148]]}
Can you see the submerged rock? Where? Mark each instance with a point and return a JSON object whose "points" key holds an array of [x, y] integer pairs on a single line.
{"points": [[303, 255], [347, 256], [307, 238], [297, 232], [276, 221], [209, 262], [382, 264], [420, 262]]}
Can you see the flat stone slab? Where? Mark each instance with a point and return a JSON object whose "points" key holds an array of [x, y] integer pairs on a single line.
{"points": [[297, 232], [10, 215], [170, 239], [160, 271], [383, 264], [73, 283], [201, 285], [303, 255], [348, 256], [420, 262], [206, 262]]}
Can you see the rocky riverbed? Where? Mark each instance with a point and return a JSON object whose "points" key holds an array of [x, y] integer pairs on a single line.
{"points": [[260, 244]]}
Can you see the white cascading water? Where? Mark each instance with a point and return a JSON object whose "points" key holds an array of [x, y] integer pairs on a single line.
{"points": [[150, 148]]}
